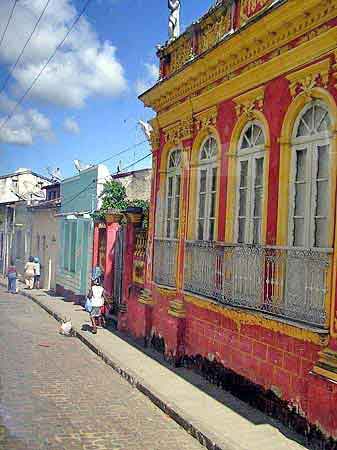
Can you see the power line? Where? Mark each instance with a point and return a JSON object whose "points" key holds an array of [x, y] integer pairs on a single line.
{"points": [[126, 150], [123, 151], [8, 21], [135, 162], [10, 115], [24, 48]]}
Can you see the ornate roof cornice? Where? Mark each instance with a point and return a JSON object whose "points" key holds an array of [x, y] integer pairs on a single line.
{"points": [[275, 33]]}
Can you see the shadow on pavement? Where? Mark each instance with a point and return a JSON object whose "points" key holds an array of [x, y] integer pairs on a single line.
{"points": [[243, 409]]}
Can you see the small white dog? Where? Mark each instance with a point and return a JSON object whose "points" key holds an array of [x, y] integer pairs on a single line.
{"points": [[66, 328]]}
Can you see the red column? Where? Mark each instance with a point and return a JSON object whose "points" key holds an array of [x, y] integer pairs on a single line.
{"points": [[276, 103], [111, 233], [95, 246], [129, 244]]}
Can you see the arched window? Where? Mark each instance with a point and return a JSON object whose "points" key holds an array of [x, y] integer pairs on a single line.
{"points": [[173, 195], [309, 206], [207, 190], [250, 189]]}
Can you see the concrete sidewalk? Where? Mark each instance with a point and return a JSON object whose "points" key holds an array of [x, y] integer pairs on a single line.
{"points": [[221, 423]]}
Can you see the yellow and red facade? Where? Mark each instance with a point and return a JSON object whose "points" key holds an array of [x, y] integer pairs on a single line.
{"points": [[244, 61]]}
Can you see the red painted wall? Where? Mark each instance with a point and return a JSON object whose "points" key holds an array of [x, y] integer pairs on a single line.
{"points": [[276, 103]]}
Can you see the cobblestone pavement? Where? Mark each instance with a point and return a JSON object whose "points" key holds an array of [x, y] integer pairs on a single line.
{"points": [[56, 394]]}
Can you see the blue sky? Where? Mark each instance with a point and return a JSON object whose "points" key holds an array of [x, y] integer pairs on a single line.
{"points": [[85, 105]]}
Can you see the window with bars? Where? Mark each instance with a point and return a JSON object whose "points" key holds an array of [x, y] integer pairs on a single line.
{"points": [[173, 195], [250, 189], [207, 191], [310, 178]]}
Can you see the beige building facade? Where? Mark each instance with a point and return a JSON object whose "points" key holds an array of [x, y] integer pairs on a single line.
{"points": [[44, 243]]}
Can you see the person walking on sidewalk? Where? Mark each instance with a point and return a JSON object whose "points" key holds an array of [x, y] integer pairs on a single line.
{"points": [[97, 297], [11, 276], [30, 273], [37, 272]]}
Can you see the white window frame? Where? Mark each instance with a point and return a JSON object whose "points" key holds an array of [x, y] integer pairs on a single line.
{"points": [[208, 165], [251, 155], [172, 173], [311, 144]]}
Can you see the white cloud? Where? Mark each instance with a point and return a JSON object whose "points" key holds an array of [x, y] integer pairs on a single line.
{"points": [[6, 104], [84, 66], [39, 122], [141, 86], [153, 70], [19, 136], [71, 126], [24, 126], [150, 77]]}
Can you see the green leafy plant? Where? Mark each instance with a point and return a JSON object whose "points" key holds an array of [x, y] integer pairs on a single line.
{"points": [[114, 197], [137, 203]]}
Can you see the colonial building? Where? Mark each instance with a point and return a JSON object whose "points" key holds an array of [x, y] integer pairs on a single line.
{"points": [[16, 190], [45, 235], [242, 254], [79, 198]]}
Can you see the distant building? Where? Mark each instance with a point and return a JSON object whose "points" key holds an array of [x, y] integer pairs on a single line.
{"points": [[137, 183], [17, 189], [79, 198], [45, 235]]}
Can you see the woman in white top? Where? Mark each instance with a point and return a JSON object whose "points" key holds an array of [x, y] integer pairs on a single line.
{"points": [[97, 297], [29, 273]]}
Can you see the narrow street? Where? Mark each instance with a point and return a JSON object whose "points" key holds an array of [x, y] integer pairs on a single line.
{"points": [[56, 394]]}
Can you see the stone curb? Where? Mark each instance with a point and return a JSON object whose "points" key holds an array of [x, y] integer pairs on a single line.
{"points": [[205, 437]]}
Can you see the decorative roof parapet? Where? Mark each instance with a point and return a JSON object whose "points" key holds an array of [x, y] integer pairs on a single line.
{"points": [[249, 8], [271, 37], [198, 38], [209, 30]]}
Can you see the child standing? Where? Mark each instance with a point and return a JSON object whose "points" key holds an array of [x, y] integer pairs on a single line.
{"points": [[11, 276], [97, 297], [37, 272]]}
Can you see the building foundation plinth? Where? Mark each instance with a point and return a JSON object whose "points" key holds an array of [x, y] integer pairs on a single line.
{"points": [[175, 340]]}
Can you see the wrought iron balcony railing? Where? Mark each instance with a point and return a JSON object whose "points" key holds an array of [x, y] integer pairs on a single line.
{"points": [[165, 261], [291, 283]]}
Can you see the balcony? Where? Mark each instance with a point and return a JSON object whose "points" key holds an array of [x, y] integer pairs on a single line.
{"points": [[290, 283], [165, 261]]}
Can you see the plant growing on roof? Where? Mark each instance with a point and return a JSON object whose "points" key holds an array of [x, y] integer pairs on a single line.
{"points": [[114, 197]]}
